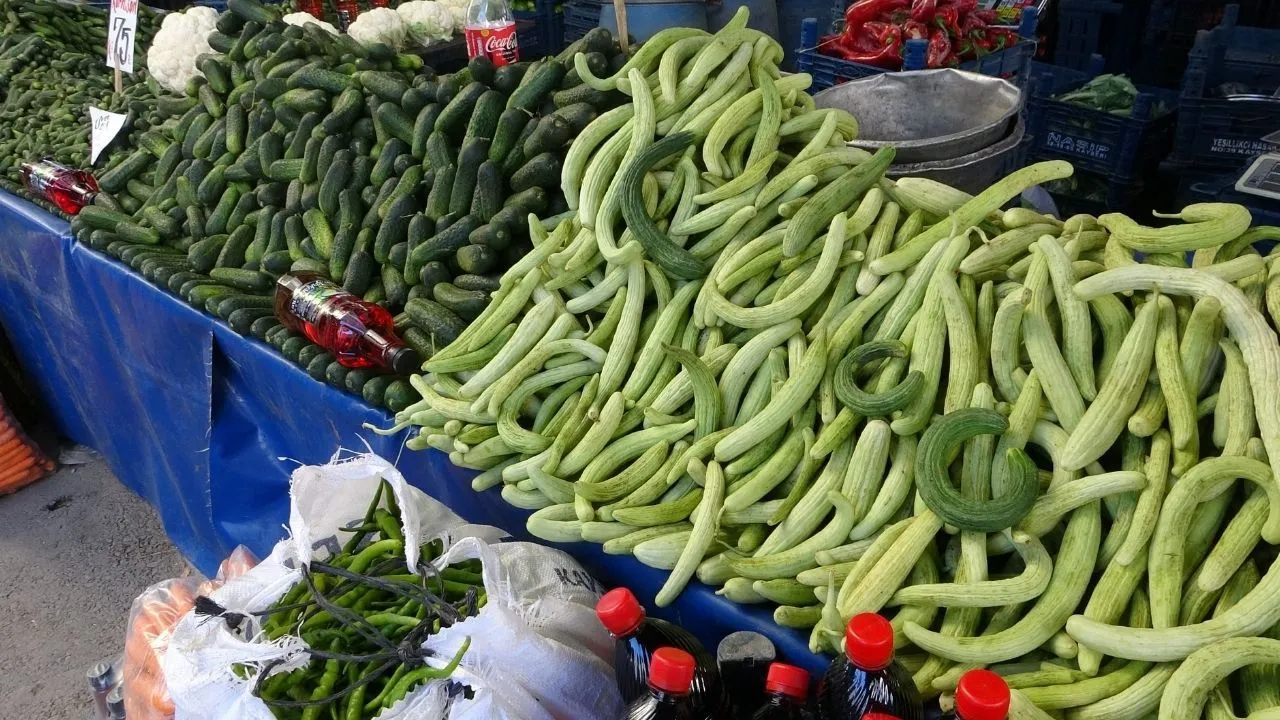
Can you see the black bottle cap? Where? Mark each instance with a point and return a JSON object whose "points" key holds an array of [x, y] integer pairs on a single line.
{"points": [[404, 361]]}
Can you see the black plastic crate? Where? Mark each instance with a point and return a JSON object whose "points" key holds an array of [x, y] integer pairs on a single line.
{"points": [[1098, 27], [1012, 63], [1171, 29], [547, 33], [1095, 140], [1220, 132], [1095, 193], [1221, 188]]}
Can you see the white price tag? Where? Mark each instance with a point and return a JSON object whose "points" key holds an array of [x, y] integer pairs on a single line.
{"points": [[121, 27], [105, 127]]}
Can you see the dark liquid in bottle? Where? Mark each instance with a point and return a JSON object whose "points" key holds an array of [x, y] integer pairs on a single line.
{"points": [[666, 695], [636, 641], [631, 662], [786, 688], [662, 706], [865, 683], [850, 693]]}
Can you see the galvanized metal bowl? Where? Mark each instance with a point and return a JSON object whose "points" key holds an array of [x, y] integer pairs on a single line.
{"points": [[927, 114], [974, 172]]}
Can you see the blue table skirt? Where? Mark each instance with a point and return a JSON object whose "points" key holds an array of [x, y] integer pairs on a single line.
{"points": [[206, 425]]}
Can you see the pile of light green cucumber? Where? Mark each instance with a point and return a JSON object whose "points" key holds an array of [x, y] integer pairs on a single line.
{"points": [[1041, 446]]}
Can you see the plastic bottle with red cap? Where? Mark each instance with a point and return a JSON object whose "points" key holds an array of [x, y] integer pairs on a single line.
{"points": [[786, 688], [637, 639], [866, 683], [671, 672], [981, 695]]}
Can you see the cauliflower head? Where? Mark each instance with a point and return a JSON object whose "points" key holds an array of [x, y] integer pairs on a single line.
{"points": [[182, 38], [300, 19], [458, 9], [426, 21], [379, 25]]}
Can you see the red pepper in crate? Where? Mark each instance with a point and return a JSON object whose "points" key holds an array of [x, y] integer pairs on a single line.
{"points": [[866, 10], [1002, 37], [971, 23], [988, 17], [961, 6], [923, 10], [914, 30], [948, 19], [939, 52]]}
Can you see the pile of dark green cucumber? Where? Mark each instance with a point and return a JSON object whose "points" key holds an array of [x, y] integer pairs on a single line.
{"points": [[304, 151], [51, 71]]}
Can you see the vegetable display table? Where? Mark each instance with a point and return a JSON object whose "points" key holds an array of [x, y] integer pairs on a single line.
{"points": [[207, 425]]}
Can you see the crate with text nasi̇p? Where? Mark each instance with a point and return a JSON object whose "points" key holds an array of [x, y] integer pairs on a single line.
{"points": [[1228, 103], [1097, 140]]}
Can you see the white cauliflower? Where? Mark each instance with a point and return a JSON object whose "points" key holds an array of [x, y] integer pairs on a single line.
{"points": [[426, 21], [458, 9], [182, 38], [300, 19], [379, 25]]}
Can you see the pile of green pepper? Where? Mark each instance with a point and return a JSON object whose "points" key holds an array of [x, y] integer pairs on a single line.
{"points": [[365, 616]]}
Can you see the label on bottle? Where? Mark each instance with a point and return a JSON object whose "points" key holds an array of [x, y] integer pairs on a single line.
{"points": [[496, 43], [310, 297], [104, 128], [40, 176], [122, 24], [873, 715]]}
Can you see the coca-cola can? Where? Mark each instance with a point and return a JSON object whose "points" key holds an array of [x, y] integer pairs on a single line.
{"points": [[498, 43]]}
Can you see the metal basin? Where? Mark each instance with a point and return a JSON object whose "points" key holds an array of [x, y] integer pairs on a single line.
{"points": [[927, 114], [974, 172]]}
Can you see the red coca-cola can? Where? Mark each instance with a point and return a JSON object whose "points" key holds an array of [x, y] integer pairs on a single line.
{"points": [[498, 43]]}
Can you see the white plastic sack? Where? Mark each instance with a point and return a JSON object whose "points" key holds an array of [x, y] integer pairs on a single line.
{"points": [[537, 651]]}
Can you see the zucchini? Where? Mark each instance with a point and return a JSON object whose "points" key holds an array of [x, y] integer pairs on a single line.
{"points": [[484, 118], [486, 198], [541, 171], [454, 117], [442, 324], [473, 153]]}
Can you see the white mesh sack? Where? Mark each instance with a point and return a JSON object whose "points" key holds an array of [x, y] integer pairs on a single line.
{"points": [[536, 650]]}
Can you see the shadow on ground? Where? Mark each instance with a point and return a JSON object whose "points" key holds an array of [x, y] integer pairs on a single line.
{"points": [[75, 549]]}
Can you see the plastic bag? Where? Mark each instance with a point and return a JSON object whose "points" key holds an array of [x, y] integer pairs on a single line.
{"points": [[536, 648], [151, 621]]}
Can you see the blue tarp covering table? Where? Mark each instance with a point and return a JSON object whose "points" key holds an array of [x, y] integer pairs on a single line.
{"points": [[207, 425]]}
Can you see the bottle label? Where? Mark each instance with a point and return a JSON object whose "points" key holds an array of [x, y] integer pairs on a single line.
{"points": [[873, 715], [496, 43], [310, 297]]}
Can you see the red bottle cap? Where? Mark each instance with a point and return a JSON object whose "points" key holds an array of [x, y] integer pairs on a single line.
{"points": [[868, 641], [982, 695], [788, 680], [619, 611], [671, 670]]}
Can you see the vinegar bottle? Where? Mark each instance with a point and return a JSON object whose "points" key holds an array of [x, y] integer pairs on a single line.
{"points": [[348, 11], [981, 695], [69, 189], [638, 637], [667, 695], [786, 688], [866, 682], [359, 334]]}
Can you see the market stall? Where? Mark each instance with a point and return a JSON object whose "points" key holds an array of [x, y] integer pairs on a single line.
{"points": [[673, 317], [207, 425]]}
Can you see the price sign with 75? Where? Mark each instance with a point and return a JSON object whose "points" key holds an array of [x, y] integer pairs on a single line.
{"points": [[122, 25]]}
